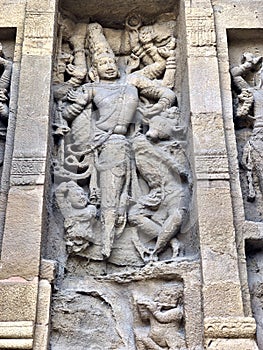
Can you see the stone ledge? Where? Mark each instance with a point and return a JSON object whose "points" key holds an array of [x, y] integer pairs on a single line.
{"points": [[20, 329], [253, 230], [16, 344]]}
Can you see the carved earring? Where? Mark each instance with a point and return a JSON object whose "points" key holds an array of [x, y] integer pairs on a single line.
{"points": [[93, 74]]}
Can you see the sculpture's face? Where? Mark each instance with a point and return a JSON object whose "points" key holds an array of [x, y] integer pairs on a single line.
{"points": [[107, 68], [61, 67], [145, 35], [78, 198], [144, 312]]}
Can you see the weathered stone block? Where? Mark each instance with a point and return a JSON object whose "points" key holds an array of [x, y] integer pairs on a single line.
{"points": [[18, 300], [21, 243], [16, 344], [16, 329]]}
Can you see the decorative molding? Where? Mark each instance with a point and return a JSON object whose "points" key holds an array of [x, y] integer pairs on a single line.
{"points": [[213, 166], [230, 327], [16, 344], [16, 335], [39, 26], [18, 329], [200, 28], [26, 171]]}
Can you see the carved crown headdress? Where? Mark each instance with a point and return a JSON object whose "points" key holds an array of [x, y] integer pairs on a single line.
{"points": [[97, 43]]}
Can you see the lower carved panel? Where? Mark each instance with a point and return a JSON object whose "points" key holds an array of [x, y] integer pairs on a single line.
{"points": [[151, 308]]}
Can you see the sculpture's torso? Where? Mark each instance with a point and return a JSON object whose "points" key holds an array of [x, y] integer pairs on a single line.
{"points": [[117, 105]]}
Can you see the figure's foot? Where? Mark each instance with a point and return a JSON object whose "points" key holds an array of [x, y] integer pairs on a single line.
{"points": [[251, 195], [105, 255], [175, 244], [154, 257], [105, 251], [151, 257], [141, 249], [61, 130]]}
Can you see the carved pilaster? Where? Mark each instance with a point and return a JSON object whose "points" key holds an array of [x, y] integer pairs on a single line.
{"points": [[20, 257], [223, 305]]}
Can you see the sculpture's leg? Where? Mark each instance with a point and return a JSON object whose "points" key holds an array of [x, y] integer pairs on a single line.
{"points": [[111, 188], [170, 228], [251, 191], [175, 244], [108, 231], [141, 249], [144, 224], [146, 343], [112, 166], [259, 172]]}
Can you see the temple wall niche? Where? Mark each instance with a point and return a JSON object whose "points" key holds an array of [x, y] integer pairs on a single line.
{"points": [[239, 40], [254, 253], [245, 56], [7, 102], [7, 39], [123, 227], [246, 44]]}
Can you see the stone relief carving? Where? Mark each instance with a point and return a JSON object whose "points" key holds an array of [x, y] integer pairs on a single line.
{"points": [[165, 316], [79, 216], [5, 79], [122, 187], [254, 256], [129, 317], [248, 108], [120, 137]]}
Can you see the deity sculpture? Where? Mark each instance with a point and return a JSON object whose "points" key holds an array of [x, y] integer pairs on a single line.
{"points": [[5, 80], [164, 314], [104, 143], [250, 113], [145, 50], [160, 213]]}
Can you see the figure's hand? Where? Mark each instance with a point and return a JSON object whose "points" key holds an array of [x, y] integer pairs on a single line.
{"points": [[5, 62], [79, 97], [152, 199], [3, 110], [152, 110], [151, 306], [95, 196], [133, 63], [169, 49], [78, 37], [120, 220], [92, 212], [62, 188], [76, 72], [3, 95], [164, 52], [144, 302]]}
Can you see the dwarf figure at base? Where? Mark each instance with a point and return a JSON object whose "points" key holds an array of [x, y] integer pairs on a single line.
{"points": [[165, 315], [79, 216]]}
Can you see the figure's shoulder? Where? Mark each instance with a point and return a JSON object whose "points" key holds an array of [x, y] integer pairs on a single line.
{"points": [[87, 85]]}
